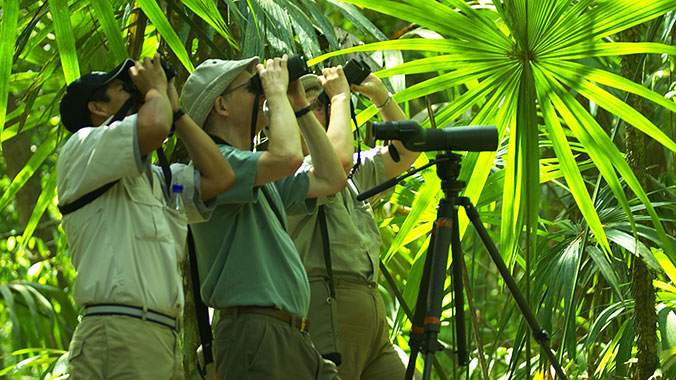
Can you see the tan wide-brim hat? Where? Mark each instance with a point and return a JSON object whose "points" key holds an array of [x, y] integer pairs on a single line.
{"points": [[209, 81], [310, 83]]}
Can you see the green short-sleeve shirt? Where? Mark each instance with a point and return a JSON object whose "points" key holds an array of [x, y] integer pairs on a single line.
{"points": [[245, 257], [353, 233]]}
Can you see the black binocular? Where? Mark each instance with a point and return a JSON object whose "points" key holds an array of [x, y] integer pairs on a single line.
{"points": [[296, 66], [130, 87], [355, 73]]}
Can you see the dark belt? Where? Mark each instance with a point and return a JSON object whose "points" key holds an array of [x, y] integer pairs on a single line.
{"points": [[301, 324], [131, 311]]}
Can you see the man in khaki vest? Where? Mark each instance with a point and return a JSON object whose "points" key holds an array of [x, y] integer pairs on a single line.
{"points": [[128, 239], [354, 322]]}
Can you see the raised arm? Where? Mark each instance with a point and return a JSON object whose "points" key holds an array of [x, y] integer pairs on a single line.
{"points": [[373, 88], [216, 175], [327, 175], [339, 131], [154, 117], [283, 155]]}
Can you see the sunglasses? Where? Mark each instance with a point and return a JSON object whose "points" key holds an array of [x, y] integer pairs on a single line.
{"points": [[247, 83]]}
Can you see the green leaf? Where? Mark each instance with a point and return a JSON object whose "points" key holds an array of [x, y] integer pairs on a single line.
{"points": [[571, 172], [609, 102], [307, 38], [111, 28], [607, 49], [423, 203], [44, 150], [155, 15], [65, 39], [352, 14], [198, 30], [606, 270], [11, 308], [30, 303], [46, 197], [10, 14], [324, 24], [208, 11], [602, 151]]}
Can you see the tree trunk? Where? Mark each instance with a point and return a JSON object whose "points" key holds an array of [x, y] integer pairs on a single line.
{"points": [[645, 317], [191, 338]]}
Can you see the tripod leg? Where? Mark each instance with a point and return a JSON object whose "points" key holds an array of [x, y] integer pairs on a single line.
{"points": [[445, 225], [458, 298], [540, 335], [417, 328]]}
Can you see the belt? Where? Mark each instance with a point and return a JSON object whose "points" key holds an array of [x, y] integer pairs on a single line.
{"points": [[302, 324], [131, 311]]}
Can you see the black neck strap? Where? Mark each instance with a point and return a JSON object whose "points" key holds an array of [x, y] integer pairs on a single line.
{"points": [[321, 216], [219, 140], [254, 120], [356, 130]]}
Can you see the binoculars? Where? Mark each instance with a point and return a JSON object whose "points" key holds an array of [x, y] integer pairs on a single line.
{"points": [[129, 86], [296, 66], [355, 72]]}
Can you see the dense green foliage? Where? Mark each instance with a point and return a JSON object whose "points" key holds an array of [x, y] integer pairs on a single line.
{"points": [[560, 197]]}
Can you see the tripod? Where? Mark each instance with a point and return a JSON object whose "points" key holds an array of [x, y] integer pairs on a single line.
{"points": [[445, 233]]}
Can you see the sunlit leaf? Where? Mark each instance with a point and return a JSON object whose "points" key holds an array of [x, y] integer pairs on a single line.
{"points": [[65, 39]]}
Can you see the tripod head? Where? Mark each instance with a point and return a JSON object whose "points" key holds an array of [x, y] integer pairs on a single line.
{"points": [[448, 169]]}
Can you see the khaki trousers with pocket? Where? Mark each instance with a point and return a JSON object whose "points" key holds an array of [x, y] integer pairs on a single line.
{"points": [[363, 332], [120, 347]]}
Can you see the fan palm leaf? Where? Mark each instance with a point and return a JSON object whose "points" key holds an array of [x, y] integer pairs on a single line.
{"points": [[526, 53]]}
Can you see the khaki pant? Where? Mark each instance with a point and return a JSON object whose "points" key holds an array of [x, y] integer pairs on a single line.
{"points": [[254, 346], [119, 347], [363, 339]]}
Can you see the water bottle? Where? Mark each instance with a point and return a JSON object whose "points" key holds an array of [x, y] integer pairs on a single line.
{"points": [[177, 197]]}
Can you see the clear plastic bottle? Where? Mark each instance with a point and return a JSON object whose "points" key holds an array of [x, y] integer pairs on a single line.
{"points": [[177, 197]]}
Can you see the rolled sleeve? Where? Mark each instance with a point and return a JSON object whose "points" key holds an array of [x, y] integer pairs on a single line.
{"points": [[293, 191], [244, 165], [95, 156]]}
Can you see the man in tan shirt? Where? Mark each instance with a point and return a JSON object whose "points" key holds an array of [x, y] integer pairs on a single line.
{"points": [[126, 244]]}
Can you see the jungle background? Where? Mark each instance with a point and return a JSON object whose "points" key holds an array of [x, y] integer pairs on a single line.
{"points": [[579, 196]]}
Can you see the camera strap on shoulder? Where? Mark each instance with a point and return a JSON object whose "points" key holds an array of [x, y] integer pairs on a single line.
{"points": [[356, 131], [273, 206], [334, 356], [321, 215], [201, 309], [86, 199], [92, 195], [254, 120]]}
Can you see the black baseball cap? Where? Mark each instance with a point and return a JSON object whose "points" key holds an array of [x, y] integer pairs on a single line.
{"points": [[73, 108]]}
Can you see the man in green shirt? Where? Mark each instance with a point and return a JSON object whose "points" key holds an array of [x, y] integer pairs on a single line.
{"points": [[361, 334], [249, 268]]}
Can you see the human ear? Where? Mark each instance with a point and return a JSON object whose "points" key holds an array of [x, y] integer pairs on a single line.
{"points": [[221, 107], [98, 109]]}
